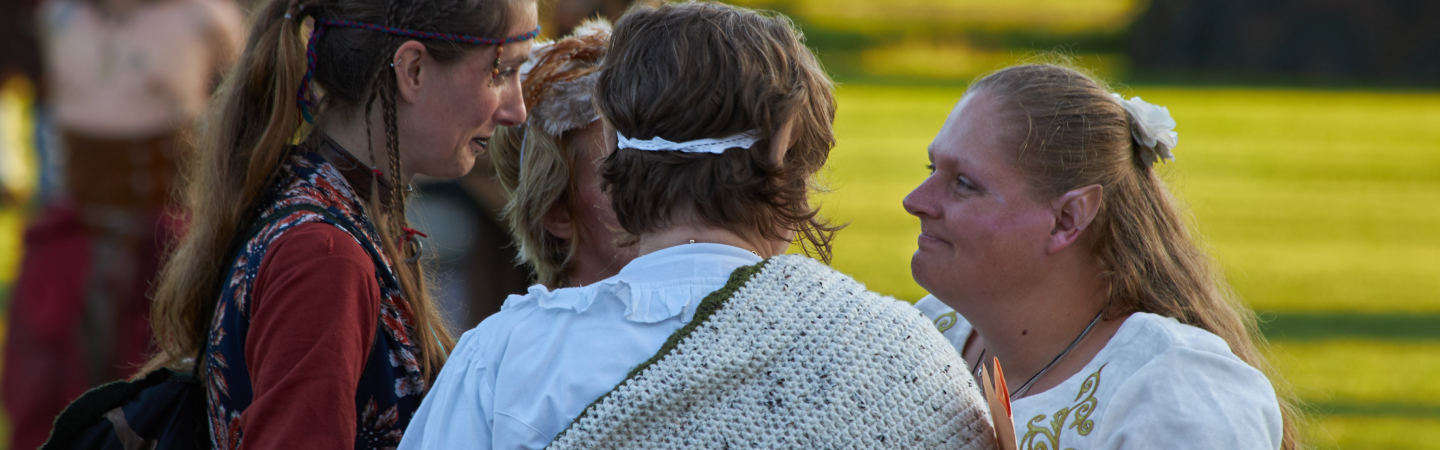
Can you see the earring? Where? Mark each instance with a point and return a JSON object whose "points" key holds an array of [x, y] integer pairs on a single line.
{"points": [[396, 61]]}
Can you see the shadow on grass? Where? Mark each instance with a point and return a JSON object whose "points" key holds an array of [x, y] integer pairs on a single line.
{"points": [[1307, 326], [1379, 409]]}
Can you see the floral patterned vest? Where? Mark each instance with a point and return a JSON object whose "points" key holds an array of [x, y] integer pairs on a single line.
{"points": [[391, 385]]}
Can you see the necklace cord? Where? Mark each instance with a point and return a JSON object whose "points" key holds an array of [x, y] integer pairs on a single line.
{"points": [[1025, 388]]}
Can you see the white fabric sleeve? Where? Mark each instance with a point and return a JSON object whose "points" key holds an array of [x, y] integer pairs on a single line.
{"points": [[513, 433], [1186, 398], [458, 410]]}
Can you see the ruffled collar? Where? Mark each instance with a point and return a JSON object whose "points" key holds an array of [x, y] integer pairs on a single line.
{"points": [[654, 287]]}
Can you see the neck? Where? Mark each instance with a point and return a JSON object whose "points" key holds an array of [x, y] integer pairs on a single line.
{"points": [[586, 271], [349, 131], [684, 234], [1027, 330]]}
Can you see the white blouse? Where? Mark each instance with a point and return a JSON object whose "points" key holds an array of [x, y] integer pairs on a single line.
{"points": [[1157, 384], [521, 376]]}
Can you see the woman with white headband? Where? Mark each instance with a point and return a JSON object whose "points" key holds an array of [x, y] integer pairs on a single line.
{"points": [[710, 338], [1049, 242]]}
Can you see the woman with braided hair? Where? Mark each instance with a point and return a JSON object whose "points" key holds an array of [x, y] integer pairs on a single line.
{"points": [[297, 283]]}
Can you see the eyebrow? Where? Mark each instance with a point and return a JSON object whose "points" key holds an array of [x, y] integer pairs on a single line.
{"points": [[516, 61]]}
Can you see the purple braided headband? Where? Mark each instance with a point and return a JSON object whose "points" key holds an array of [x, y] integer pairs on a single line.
{"points": [[321, 24]]}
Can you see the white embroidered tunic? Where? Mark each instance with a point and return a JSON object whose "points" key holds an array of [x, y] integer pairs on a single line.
{"points": [[504, 386], [1157, 384]]}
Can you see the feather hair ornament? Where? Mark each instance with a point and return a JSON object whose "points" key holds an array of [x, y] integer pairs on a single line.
{"points": [[560, 78]]}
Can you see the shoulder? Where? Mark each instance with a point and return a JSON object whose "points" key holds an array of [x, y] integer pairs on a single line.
{"points": [[311, 240], [315, 258], [1187, 386], [949, 323], [818, 289], [1165, 349], [1146, 334]]}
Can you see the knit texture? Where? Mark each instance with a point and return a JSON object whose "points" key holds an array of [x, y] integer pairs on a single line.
{"points": [[792, 354]]}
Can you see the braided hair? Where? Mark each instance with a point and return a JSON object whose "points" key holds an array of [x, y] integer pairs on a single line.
{"points": [[244, 139]]}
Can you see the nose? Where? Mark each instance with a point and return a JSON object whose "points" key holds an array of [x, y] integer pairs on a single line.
{"points": [[511, 111], [920, 203]]}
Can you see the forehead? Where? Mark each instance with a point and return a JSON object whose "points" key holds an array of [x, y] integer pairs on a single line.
{"points": [[976, 132]]}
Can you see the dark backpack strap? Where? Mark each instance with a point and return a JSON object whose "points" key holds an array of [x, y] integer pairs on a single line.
{"points": [[184, 397]]}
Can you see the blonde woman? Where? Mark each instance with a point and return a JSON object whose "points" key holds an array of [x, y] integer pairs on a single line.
{"points": [[1049, 242], [549, 167]]}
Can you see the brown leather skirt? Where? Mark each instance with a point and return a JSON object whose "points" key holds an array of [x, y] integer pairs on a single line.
{"points": [[134, 176]]}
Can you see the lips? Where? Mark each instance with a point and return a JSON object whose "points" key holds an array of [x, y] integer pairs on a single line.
{"points": [[927, 238]]}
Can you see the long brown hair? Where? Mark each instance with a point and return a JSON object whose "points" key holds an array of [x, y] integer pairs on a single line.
{"points": [[706, 70], [1079, 135], [245, 136]]}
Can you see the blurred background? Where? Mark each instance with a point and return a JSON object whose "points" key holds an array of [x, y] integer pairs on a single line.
{"points": [[1309, 158]]}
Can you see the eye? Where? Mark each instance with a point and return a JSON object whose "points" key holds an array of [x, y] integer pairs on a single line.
{"points": [[931, 168], [965, 184]]}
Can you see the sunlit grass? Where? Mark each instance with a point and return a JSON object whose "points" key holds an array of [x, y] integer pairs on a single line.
{"points": [[1361, 372], [1377, 433], [958, 60], [1060, 15], [1312, 200]]}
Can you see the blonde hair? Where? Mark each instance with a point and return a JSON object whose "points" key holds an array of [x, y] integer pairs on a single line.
{"points": [[546, 183], [547, 180], [1078, 135]]}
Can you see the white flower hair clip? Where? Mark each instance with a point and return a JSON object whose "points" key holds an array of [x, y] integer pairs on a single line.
{"points": [[1153, 129]]}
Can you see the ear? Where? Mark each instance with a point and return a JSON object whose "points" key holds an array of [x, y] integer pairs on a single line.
{"points": [[1074, 211], [781, 142], [408, 61], [559, 222]]}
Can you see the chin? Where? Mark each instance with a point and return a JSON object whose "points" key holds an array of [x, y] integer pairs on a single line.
{"points": [[923, 269], [456, 169]]}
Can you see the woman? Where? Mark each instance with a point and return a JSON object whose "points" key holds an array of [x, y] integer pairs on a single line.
{"points": [[125, 79], [709, 338], [316, 329], [1046, 228], [557, 212]]}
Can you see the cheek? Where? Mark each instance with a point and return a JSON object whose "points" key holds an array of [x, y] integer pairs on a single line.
{"points": [[992, 246], [595, 202], [1003, 235]]}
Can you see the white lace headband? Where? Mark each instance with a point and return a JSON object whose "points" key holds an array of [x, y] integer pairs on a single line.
{"points": [[716, 146]]}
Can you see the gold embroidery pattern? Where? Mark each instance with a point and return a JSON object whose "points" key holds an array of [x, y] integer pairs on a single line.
{"points": [[1084, 406], [945, 321]]}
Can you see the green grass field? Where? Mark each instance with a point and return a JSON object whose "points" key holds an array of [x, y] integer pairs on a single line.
{"points": [[1322, 206]]}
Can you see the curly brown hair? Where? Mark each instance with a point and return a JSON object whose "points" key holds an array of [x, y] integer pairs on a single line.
{"points": [[707, 70]]}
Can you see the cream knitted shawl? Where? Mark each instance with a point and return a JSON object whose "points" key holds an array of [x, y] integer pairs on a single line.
{"points": [[792, 354]]}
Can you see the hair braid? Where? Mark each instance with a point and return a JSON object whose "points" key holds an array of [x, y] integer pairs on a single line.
{"points": [[392, 146]]}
